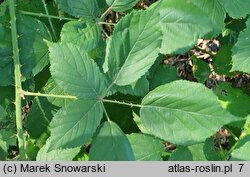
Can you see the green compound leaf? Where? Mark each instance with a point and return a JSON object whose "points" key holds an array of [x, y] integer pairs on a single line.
{"points": [[197, 152], [110, 144], [182, 28], [121, 5], [75, 72], [146, 147], [236, 8], [133, 47], [242, 150], [86, 35], [58, 154], [87, 9], [183, 112], [75, 124], [241, 53]]}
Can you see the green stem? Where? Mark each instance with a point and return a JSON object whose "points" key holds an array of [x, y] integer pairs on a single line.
{"points": [[24, 93], [122, 103], [45, 15], [18, 83], [49, 19]]}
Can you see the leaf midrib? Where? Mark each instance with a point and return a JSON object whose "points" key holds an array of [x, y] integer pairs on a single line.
{"points": [[180, 110]]}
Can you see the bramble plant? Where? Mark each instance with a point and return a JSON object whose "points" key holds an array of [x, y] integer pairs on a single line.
{"points": [[124, 80]]}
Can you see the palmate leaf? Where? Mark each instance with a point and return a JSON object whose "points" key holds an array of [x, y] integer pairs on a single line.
{"points": [[75, 72], [146, 147], [75, 124], [121, 5], [241, 53], [182, 28], [86, 35], [183, 112], [111, 144], [87, 9], [236, 8], [133, 47]]}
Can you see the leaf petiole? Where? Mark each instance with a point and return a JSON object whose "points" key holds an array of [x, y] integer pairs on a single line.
{"points": [[45, 15], [25, 93], [122, 103]]}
